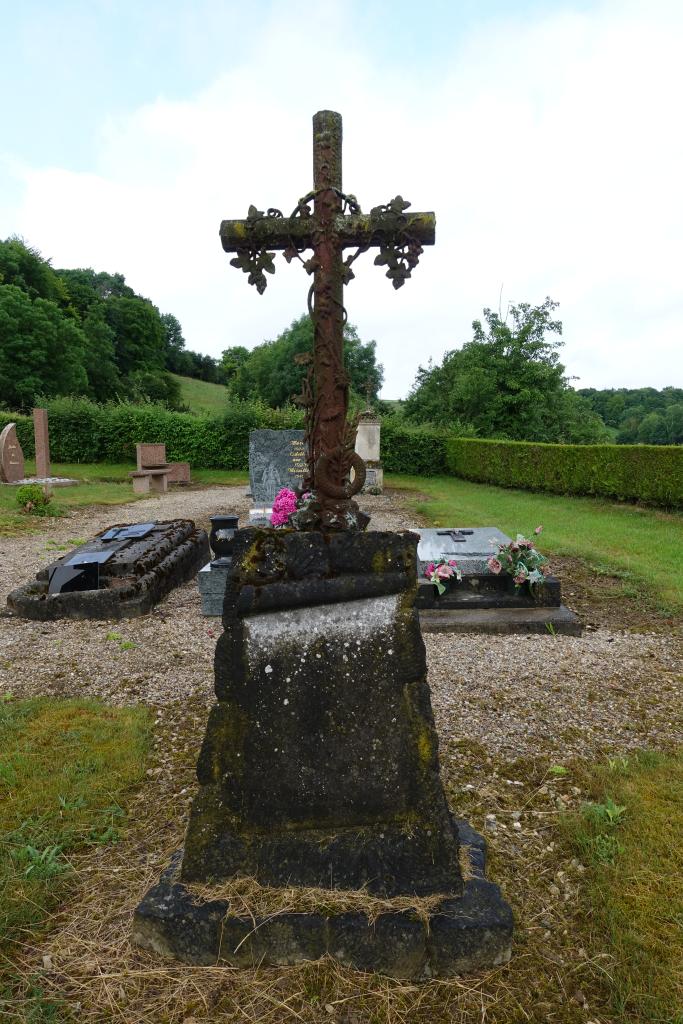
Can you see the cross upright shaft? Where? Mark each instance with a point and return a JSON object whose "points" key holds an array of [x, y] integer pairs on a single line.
{"points": [[328, 231], [331, 379]]}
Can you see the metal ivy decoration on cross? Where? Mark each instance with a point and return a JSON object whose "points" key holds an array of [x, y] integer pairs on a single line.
{"points": [[335, 472]]}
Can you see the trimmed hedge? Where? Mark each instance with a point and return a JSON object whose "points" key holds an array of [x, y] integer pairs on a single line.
{"points": [[81, 431], [415, 451], [639, 472]]}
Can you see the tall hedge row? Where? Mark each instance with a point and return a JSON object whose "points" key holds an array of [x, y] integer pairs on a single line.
{"points": [[83, 432], [417, 451], [639, 472]]}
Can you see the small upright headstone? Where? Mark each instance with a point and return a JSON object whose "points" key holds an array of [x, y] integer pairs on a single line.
{"points": [[277, 459], [367, 446], [11, 456], [42, 437]]}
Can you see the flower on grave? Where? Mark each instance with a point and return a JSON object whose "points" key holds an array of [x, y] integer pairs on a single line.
{"points": [[440, 572], [521, 560], [283, 507]]}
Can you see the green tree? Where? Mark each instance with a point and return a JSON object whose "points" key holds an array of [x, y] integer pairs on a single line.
{"points": [[104, 379], [230, 362], [653, 429], [41, 351], [139, 338], [507, 382], [174, 344], [272, 374], [25, 268], [119, 337], [674, 423]]}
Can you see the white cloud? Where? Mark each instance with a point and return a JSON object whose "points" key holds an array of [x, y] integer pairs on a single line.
{"points": [[549, 150]]}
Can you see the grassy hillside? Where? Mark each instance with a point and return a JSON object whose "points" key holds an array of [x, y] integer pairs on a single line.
{"points": [[201, 396]]}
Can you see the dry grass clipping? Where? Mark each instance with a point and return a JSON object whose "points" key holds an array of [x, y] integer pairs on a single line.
{"points": [[87, 968]]}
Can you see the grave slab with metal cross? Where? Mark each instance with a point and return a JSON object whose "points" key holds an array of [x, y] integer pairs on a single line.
{"points": [[335, 224]]}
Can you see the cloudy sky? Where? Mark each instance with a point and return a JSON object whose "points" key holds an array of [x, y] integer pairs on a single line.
{"points": [[545, 135]]}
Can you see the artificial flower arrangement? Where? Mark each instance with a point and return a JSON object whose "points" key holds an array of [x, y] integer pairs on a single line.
{"points": [[284, 506], [520, 559], [440, 572]]}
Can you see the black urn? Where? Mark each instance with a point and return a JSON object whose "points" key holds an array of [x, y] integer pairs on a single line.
{"points": [[221, 537]]}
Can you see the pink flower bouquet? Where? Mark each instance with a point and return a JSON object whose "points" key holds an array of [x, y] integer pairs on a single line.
{"points": [[440, 572], [520, 559], [283, 507]]}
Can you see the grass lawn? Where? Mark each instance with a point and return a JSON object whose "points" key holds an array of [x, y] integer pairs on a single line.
{"points": [[64, 766], [641, 545], [201, 396], [101, 484], [630, 838]]}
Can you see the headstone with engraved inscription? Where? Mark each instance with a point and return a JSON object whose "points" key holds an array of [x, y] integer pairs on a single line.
{"points": [[11, 455], [277, 459]]}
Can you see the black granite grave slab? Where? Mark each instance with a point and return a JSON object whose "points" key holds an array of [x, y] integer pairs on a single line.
{"points": [[136, 570]]}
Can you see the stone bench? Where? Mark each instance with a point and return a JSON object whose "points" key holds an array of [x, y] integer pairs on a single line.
{"points": [[179, 473], [153, 456], [146, 480]]}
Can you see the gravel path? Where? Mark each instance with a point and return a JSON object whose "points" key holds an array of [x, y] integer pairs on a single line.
{"points": [[516, 695]]}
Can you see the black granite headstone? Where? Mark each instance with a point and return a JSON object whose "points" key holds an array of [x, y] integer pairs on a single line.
{"points": [[276, 459]]}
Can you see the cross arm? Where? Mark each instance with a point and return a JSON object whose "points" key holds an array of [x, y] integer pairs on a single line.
{"points": [[359, 229]]}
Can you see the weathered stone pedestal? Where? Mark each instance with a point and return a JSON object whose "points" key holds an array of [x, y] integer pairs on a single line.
{"points": [[367, 446], [319, 768]]}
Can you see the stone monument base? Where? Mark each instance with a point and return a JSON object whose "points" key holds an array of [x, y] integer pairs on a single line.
{"points": [[459, 935], [45, 481], [319, 770], [374, 478]]}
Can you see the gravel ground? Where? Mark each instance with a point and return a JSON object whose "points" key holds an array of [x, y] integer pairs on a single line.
{"points": [[516, 695]]}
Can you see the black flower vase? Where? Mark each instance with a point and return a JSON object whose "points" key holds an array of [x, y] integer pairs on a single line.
{"points": [[221, 538]]}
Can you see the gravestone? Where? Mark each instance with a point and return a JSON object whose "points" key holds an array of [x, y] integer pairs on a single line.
{"points": [[368, 448], [11, 456], [42, 439], [470, 547], [483, 602], [138, 564], [277, 459], [319, 766]]}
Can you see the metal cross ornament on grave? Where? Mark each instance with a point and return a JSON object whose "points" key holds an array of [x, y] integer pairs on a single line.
{"points": [[335, 472]]}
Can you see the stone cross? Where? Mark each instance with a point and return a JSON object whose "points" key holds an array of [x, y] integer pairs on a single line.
{"points": [[335, 224]]}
